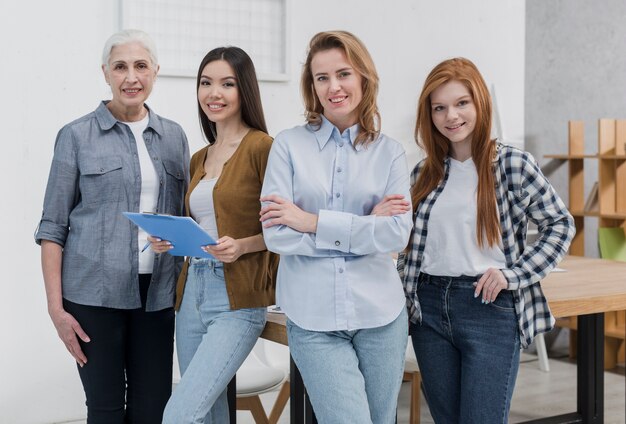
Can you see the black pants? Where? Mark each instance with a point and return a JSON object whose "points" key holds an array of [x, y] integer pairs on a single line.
{"points": [[128, 374]]}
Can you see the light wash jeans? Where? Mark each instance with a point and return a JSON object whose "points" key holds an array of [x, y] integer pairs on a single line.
{"points": [[352, 376], [212, 342], [468, 352]]}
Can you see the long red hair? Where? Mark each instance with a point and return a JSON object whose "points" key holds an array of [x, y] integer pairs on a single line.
{"points": [[437, 147]]}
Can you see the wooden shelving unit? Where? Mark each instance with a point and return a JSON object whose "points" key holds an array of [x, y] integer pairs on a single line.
{"points": [[610, 211]]}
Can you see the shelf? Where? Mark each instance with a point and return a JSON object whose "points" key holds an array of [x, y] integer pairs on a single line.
{"points": [[615, 157], [569, 157], [606, 202], [598, 214], [573, 157]]}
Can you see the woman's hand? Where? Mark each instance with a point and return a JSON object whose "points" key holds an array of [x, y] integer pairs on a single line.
{"points": [[490, 284], [391, 205], [159, 246], [68, 329], [226, 250], [284, 212]]}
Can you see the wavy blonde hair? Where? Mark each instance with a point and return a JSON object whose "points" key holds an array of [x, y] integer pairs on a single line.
{"points": [[437, 146], [361, 61]]}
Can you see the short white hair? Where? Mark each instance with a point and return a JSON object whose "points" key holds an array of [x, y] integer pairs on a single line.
{"points": [[129, 36]]}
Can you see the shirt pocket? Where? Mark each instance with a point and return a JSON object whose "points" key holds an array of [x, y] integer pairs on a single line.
{"points": [[174, 186], [101, 180]]}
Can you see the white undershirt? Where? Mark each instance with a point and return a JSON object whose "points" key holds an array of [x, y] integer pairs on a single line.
{"points": [[202, 208], [149, 191], [451, 245]]}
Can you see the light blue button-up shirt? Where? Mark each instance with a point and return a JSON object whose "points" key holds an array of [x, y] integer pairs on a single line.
{"points": [[343, 277]]}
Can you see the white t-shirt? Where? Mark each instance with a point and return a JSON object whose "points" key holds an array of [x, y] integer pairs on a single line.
{"points": [[202, 208], [451, 245], [149, 190]]}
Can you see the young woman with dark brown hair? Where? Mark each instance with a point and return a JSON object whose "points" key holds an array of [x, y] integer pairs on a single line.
{"points": [[221, 301]]}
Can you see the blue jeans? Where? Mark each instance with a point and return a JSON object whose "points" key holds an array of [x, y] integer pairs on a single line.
{"points": [[468, 352], [352, 376], [212, 342]]}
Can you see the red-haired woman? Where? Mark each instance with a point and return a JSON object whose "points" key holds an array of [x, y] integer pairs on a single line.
{"points": [[471, 281]]}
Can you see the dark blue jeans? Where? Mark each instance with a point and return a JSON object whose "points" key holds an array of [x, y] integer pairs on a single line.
{"points": [[468, 352], [128, 374]]}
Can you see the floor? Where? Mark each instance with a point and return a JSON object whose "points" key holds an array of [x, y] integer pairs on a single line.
{"points": [[537, 394]]}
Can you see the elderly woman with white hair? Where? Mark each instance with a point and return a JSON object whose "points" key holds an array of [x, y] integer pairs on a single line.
{"points": [[110, 301]]}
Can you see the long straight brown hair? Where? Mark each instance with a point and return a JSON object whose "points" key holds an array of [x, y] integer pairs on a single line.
{"points": [[361, 60], [437, 147]]}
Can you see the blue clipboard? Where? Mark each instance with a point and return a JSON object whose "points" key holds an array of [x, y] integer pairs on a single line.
{"points": [[182, 231]]}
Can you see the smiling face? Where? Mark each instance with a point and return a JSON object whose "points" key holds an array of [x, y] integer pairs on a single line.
{"points": [[454, 114], [131, 75], [338, 87], [218, 92]]}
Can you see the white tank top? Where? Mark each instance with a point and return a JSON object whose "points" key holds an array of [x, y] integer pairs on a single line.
{"points": [[202, 208]]}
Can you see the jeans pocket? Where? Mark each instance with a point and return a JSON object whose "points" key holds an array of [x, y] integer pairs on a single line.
{"points": [[218, 271], [504, 301]]}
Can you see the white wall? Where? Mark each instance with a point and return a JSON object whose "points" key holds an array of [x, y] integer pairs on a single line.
{"points": [[581, 83], [50, 74]]}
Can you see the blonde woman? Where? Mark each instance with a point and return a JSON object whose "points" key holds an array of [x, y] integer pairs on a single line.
{"points": [[335, 206]]}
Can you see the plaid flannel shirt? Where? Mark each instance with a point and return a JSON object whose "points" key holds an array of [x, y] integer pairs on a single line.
{"points": [[522, 193]]}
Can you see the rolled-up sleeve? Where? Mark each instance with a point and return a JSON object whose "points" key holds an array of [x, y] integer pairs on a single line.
{"points": [[61, 192], [555, 226]]}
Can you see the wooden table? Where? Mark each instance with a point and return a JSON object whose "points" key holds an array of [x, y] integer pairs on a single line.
{"points": [[589, 288]]}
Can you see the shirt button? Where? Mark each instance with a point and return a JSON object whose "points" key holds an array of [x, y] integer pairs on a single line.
{"points": [[340, 144], [337, 243], [101, 170], [155, 158], [338, 169], [340, 270], [338, 195]]}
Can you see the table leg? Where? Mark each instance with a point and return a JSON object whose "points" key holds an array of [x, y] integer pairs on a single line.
{"points": [[589, 374], [231, 394], [590, 364], [301, 411]]}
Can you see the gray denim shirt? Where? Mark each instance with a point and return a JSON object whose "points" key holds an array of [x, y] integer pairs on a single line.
{"points": [[94, 177]]}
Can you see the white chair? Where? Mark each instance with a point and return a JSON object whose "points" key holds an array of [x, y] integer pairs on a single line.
{"points": [[542, 353], [255, 377]]}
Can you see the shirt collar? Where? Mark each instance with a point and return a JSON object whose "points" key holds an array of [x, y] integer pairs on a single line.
{"points": [[325, 131], [107, 120]]}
